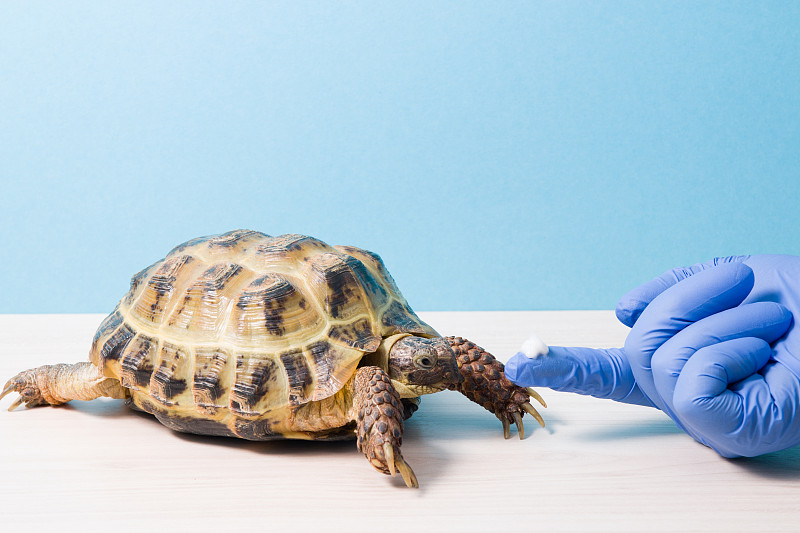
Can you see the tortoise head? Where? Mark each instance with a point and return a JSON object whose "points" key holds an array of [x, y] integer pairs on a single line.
{"points": [[419, 366]]}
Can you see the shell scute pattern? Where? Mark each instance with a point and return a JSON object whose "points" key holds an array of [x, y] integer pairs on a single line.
{"points": [[271, 307], [396, 316], [378, 281], [203, 307], [285, 251], [107, 327], [233, 327], [299, 377], [210, 383], [136, 280], [114, 342], [168, 381], [359, 335], [333, 278], [399, 318], [158, 292], [260, 386], [224, 243], [191, 244], [136, 368], [332, 367]]}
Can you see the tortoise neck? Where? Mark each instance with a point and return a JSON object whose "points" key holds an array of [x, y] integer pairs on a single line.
{"points": [[380, 357]]}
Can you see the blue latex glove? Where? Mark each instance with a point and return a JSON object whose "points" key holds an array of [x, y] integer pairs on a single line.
{"points": [[714, 346]]}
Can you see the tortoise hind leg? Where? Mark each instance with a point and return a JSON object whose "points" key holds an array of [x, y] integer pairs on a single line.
{"points": [[58, 384], [379, 419]]}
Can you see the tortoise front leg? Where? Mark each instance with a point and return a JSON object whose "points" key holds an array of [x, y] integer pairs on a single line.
{"points": [[379, 423], [485, 384], [58, 384]]}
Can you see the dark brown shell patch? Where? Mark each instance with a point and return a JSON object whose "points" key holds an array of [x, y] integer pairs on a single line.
{"points": [[207, 387], [254, 429], [332, 277], [358, 335], [377, 283], [167, 382], [399, 318], [301, 383], [255, 378], [136, 367], [326, 360], [113, 347], [193, 425], [107, 327]]}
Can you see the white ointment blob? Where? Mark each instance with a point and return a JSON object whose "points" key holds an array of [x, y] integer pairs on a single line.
{"points": [[534, 347]]}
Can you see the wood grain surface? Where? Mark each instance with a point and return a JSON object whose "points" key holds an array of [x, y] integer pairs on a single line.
{"points": [[598, 466]]}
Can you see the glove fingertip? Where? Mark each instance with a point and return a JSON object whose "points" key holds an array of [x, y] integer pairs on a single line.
{"points": [[512, 367], [631, 305], [786, 315], [628, 310], [552, 372]]}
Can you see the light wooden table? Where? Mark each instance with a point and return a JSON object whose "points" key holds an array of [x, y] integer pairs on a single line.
{"points": [[598, 466]]}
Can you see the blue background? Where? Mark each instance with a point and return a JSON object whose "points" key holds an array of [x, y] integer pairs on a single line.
{"points": [[539, 155]]}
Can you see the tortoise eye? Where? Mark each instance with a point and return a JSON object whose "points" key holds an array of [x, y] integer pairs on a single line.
{"points": [[425, 361]]}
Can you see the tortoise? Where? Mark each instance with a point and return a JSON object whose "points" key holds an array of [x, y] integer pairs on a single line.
{"points": [[246, 335]]}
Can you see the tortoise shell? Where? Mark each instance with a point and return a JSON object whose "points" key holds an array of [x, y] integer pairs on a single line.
{"points": [[245, 324]]}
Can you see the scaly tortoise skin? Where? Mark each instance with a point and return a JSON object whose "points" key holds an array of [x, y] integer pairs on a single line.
{"points": [[258, 337]]}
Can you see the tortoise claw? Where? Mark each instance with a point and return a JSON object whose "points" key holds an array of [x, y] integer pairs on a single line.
{"points": [[519, 424], [7, 390], [398, 464], [533, 394], [24, 383], [19, 401], [533, 412], [506, 427], [388, 454], [408, 475]]}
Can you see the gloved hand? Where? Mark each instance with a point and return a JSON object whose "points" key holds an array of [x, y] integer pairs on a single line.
{"points": [[714, 346]]}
